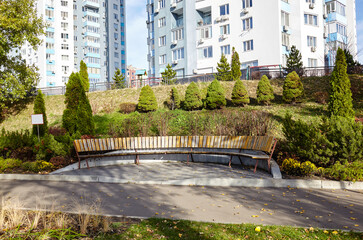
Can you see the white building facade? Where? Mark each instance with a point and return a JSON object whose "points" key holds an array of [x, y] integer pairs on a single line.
{"points": [[191, 35], [90, 30]]}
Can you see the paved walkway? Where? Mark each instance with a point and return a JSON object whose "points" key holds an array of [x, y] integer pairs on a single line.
{"points": [[170, 171], [333, 209]]}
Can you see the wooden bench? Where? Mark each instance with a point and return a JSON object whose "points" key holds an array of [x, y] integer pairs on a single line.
{"points": [[189, 145]]}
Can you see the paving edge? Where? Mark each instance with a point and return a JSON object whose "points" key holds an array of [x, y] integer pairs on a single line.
{"points": [[225, 182]]}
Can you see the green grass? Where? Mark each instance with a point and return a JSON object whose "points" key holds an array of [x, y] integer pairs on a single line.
{"points": [[181, 229], [105, 104]]}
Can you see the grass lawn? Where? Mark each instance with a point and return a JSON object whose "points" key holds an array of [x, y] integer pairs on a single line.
{"points": [[105, 104], [181, 229]]}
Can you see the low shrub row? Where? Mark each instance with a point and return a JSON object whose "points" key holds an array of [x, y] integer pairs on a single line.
{"points": [[225, 122], [11, 165]]}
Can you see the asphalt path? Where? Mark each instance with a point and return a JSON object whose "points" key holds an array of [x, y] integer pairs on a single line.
{"points": [[331, 209]]}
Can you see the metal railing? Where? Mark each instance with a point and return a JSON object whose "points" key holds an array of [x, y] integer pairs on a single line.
{"points": [[253, 73]]}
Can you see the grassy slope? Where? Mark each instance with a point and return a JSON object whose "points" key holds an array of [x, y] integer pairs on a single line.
{"points": [[107, 102]]}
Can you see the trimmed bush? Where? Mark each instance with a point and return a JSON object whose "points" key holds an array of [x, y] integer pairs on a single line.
{"points": [[265, 92], [48, 148], [291, 167], [340, 96], [147, 100], [307, 168], [127, 108], [193, 98], [9, 164], [239, 94], [224, 70], [39, 108], [345, 172], [293, 89], [168, 75], [294, 62], [174, 99], [215, 96]]}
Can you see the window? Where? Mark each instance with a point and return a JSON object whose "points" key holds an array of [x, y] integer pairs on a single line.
{"points": [[65, 57], [285, 19], [65, 68], [93, 60], [65, 79], [206, 52], [65, 46], [115, 16], [64, 3], [93, 70], [92, 19], [64, 25], [116, 54], [178, 34], [247, 24], [115, 6], [335, 6], [226, 50], [161, 4], [64, 14], [49, 34], [178, 54], [162, 59], [116, 45], [341, 29], [162, 41], [224, 29], [64, 35], [285, 39], [49, 45], [248, 45], [115, 35], [224, 9], [310, 1], [49, 13], [246, 3], [162, 22], [311, 19], [205, 32], [312, 62], [311, 41]]}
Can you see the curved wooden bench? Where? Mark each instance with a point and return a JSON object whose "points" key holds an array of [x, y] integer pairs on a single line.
{"points": [[92, 148]]}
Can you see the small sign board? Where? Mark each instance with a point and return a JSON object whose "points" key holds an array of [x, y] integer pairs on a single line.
{"points": [[37, 119]]}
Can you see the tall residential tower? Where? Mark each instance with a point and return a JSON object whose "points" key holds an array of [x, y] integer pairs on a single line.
{"points": [[191, 35], [88, 30]]}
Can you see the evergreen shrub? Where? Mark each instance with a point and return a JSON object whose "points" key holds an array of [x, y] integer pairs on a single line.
{"points": [[215, 96], [147, 100], [224, 70], [293, 89], [265, 92], [193, 98], [239, 94], [127, 108], [174, 99], [39, 108]]}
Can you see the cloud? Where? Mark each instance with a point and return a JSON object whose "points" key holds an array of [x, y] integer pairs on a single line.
{"points": [[136, 34], [360, 39]]}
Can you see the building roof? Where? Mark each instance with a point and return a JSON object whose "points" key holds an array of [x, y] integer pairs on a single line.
{"points": [[141, 72]]}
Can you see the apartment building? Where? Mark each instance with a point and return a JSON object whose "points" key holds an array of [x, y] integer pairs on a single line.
{"points": [[193, 34], [88, 30]]}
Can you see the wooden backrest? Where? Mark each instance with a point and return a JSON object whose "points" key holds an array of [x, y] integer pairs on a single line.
{"points": [[262, 143]]}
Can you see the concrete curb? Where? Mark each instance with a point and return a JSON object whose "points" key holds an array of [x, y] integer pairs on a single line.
{"points": [[226, 182]]}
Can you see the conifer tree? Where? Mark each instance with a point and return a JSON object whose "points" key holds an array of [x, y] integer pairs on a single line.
{"points": [[293, 89], [215, 96], [294, 62], [174, 101], [85, 123], [265, 92], [147, 100], [78, 113], [168, 75], [119, 79], [340, 96], [84, 76], [239, 94], [224, 70], [39, 108], [74, 88], [235, 65], [193, 98]]}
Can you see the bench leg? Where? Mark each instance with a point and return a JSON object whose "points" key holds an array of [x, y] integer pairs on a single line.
{"points": [[240, 159], [230, 161], [137, 160], [255, 166], [87, 163]]}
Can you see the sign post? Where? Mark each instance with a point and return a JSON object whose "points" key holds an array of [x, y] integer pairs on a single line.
{"points": [[37, 119]]}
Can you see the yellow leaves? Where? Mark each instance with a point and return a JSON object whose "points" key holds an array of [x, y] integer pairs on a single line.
{"points": [[297, 200], [352, 218], [156, 213], [180, 235], [356, 225], [311, 229], [326, 232], [334, 232], [258, 229], [265, 204], [255, 216]]}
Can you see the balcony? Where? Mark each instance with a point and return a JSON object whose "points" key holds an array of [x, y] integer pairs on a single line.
{"points": [[91, 3], [178, 23]]}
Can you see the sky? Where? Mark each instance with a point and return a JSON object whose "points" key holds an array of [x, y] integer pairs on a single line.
{"points": [[136, 32]]}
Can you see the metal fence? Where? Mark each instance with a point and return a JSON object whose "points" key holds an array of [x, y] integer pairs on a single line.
{"points": [[253, 73]]}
